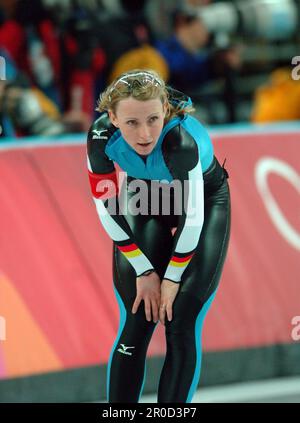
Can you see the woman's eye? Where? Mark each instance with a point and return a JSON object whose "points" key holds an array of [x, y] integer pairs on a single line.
{"points": [[153, 118], [131, 122]]}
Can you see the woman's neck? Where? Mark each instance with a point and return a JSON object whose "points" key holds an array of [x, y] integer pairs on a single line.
{"points": [[143, 156]]}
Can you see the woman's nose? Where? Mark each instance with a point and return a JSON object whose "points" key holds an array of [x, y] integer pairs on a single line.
{"points": [[144, 133]]}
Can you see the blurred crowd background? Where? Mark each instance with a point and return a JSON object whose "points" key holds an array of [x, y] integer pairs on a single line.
{"points": [[236, 59]]}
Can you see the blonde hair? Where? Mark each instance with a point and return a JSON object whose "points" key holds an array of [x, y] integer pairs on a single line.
{"points": [[141, 84]]}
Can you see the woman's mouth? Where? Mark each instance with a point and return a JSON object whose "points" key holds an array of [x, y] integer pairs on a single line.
{"points": [[144, 145]]}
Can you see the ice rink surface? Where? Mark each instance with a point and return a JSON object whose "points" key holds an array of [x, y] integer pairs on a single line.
{"points": [[283, 390]]}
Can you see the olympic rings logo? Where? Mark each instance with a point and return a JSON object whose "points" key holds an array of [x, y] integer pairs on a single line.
{"points": [[271, 165], [264, 168]]}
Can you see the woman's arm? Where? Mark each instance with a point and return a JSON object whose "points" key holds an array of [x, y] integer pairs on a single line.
{"points": [[182, 158], [104, 186]]}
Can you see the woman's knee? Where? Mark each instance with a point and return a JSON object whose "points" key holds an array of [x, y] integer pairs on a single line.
{"points": [[189, 312], [186, 309]]}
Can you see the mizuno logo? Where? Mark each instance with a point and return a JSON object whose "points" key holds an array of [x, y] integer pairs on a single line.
{"points": [[124, 349], [98, 136]]}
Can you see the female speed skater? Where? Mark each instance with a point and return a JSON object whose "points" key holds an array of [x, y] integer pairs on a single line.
{"points": [[171, 238]]}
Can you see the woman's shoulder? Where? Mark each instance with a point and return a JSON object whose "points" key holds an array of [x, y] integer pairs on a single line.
{"points": [[185, 119], [185, 124], [193, 123], [102, 128], [178, 145]]}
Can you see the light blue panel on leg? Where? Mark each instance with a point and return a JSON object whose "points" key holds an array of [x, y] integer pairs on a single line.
{"points": [[198, 342], [123, 314]]}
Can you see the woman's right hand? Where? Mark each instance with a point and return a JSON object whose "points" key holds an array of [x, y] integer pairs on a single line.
{"points": [[148, 289]]}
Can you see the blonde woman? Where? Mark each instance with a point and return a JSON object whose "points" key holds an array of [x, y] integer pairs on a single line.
{"points": [[170, 225]]}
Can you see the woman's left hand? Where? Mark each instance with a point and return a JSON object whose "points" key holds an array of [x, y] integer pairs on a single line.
{"points": [[168, 292]]}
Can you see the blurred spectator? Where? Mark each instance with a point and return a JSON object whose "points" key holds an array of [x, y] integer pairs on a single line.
{"points": [[127, 41], [25, 110], [144, 57], [191, 63], [29, 37], [55, 46], [160, 14], [279, 100]]}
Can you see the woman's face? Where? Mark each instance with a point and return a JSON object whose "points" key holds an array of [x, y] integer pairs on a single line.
{"points": [[140, 122]]}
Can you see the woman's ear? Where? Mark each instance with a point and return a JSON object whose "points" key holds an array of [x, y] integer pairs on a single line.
{"points": [[166, 109], [113, 118]]}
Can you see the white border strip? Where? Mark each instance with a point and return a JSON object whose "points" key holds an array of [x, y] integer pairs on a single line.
{"points": [[20, 145], [275, 390], [254, 129]]}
